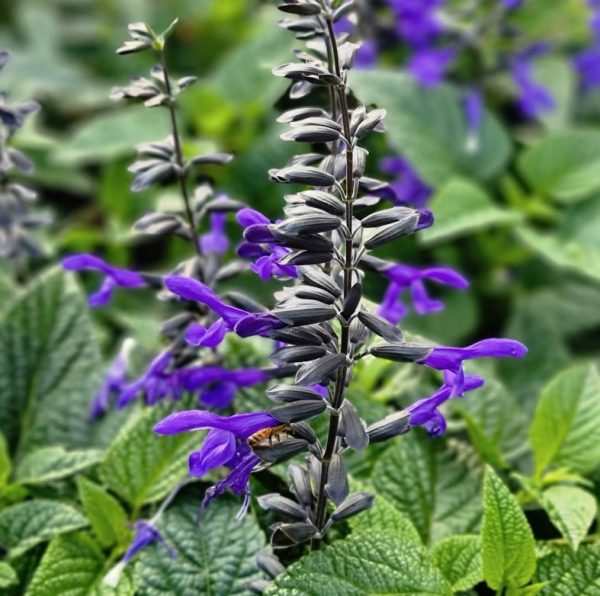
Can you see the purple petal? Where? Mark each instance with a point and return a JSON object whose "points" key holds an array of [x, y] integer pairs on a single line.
{"points": [[257, 324], [249, 217], [219, 395], [217, 449]]}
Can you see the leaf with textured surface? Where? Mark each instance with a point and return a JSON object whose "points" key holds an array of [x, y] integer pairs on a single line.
{"points": [[365, 563], [436, 483], [48, 464], [49, 364], [566, 428], [27, 524], [429, 127], [459, 559], [216, 553], [508, 545], [141, 466], [106, 516], [570, 574], [461, 207]]}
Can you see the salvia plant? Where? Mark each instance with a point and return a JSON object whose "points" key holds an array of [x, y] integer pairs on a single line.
{"points": [[322, 325]]}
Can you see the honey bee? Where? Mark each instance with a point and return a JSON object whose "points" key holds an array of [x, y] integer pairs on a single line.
{"points": [[269, 434]]}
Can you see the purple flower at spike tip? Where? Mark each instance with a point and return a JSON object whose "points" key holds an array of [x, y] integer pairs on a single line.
{"points": [[260, 245], [114, 382], [244, 323], [473, 106], [114, 276], [403, 277], [215, 241], [425, 412], [407, 187], [428, 65], [534, 99], [225, 445]]}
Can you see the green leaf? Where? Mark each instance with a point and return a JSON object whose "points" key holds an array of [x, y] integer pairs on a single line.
{"points": [[24, 525], [143, 467], [566, 428], [216, 554], [564, 165], [365, 563], [429, 127], [5, 462], [508, 545], [49, 464], [49, 363], [459, 559], [106, 516], [436, 483], [570, 574], [556, 74], [570, 508], [112, 135], [461, 207], [8, 576], [73, 564]]}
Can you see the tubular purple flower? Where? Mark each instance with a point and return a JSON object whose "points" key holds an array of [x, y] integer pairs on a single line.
{"points": [[587, 63], [428, 65], [417, 21], [146, 534], [534, 99], [215, 241], [114, 276], [407, 186], [241, 425]]}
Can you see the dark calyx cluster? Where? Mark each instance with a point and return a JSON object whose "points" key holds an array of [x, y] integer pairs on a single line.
{"points": [[16, 217]]}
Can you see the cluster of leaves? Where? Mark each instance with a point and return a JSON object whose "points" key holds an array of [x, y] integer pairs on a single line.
{"points": [[525, 203]]}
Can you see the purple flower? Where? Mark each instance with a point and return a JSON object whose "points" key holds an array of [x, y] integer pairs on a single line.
{"points": [[218, 385], [114, 277], [428, 65], [215, 241], [408, 187], [425, 412], [367, 53], [534, 99], [159, 381], [512, 4], [403, 277], [587, 64], [244, 323], [260, 245], [473, 106], [225, 445], [114, 382], [146, 534], [417, 20]]}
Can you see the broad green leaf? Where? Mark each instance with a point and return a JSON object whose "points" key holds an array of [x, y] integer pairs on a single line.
{"points": [[461, 207], [566, 428], [7, 292], [575, 243], [8, 576], [5, 462], [106, 516], [459, 559], [24, 525], [569, 573], [570, 508], [508, 546], [216, 553], [365, 563], [564, 165], [49, 363], [141, 466], [111, 135], [429, 127], [48, 464], [556, 74], [436, 483]]}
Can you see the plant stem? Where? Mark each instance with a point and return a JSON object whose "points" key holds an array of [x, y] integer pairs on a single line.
{"points": [[340, 386], [179, 156]]}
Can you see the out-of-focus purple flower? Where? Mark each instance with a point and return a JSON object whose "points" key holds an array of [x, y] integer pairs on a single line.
{"points": [[114, 382], [425, 412], [218, 385], [367, 53], [587, 62], [534, 99], [512, 4], [114, 276], [146, 534], [428, 65], [473, 106], [225, 445], [260, 245], [158, 382], [244, 323], [408, 187], [403, 277], [417, 21], [215, 241]]}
